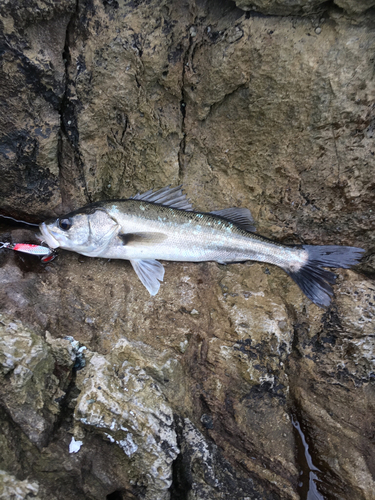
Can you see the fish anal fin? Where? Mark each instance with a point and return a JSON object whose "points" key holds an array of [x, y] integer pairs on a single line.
{"points": [[240, 216], [142, 239], [170, 197], [150, 272]]}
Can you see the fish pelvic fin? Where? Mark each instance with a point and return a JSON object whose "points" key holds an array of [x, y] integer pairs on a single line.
{"points": [[314, 281], [150, 272]]}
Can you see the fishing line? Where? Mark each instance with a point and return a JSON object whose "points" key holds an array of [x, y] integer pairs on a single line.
{"points": [[20, 221]]}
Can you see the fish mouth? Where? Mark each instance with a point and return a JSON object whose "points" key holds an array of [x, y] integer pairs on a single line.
{"points": [[48, 236]]}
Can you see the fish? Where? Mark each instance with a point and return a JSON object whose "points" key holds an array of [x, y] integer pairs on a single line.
{"points": [[162, 225]]}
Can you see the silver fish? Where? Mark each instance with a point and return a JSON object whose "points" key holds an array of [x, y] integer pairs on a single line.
{"points": [[162, 225]]}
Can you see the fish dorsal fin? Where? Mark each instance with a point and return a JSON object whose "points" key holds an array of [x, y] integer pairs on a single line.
{"points": [[150, 272], [240, 216], [170, 197], [142, 239]]}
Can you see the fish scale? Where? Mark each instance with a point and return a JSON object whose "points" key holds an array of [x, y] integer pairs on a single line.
{"points": [[224, 241]]}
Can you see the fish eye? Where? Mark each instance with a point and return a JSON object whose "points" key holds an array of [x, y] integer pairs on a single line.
{"points": [[65, 224]]}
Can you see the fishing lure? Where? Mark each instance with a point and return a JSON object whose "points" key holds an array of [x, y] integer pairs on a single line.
{"points": [[46, 253]]}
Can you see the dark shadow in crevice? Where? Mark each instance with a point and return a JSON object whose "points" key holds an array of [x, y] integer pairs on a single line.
{"points": [[181, 476], [116, 495]]}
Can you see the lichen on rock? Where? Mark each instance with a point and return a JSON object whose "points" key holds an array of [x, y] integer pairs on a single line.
{"points": [[29, 388], [120, 402], [13, 489]]}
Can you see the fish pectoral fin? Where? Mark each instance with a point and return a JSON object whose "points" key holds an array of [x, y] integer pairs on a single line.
{"points": [[150, 272], [240, 216], [142, 239], [170, 197]]}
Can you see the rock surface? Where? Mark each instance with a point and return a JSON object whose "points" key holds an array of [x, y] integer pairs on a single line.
{"points": [[189, 394], [13, 489], [302, 7], [125, 406], [29, 389]]}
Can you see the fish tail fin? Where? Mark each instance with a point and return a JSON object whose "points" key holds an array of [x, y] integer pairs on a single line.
{"points": [[313, 280]]}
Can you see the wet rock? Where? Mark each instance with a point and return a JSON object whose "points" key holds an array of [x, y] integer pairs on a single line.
{"points": [[31, 93], [335, 391], [202, 472]]}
